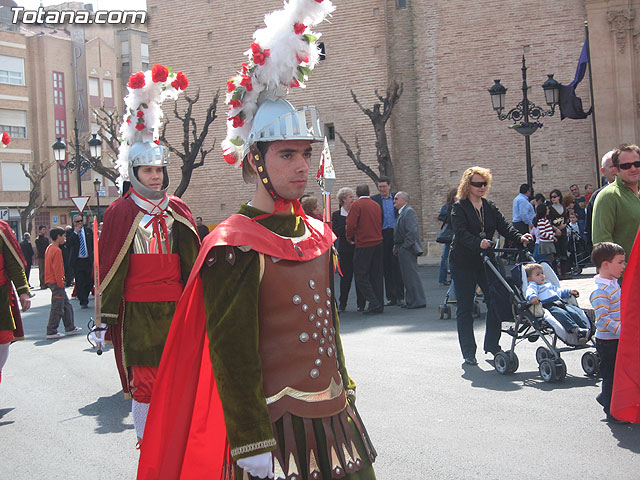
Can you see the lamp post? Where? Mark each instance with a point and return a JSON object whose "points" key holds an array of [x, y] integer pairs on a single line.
{"points": [[79, 162], [525, 111], [96, 187]]}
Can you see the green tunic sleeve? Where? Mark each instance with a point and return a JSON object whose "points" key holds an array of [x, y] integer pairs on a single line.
{"points": [[604, 217], [231, 307], [185, 243], [111, 297], [14, 270]]}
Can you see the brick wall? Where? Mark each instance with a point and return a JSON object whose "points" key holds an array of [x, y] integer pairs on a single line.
{"points": [[446, 54]]}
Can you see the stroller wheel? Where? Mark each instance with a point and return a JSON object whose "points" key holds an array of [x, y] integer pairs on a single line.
{"points": [[441, 311], [590, 364], [561, 370], [548, 371], [447, 312], [542, 353], [476, 310], [502, 363], [514, 363]]}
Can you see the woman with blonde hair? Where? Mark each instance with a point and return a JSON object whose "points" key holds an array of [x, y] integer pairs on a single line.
{"points": [[475, 220]]}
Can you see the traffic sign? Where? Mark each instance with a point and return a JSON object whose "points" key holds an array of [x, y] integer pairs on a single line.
{"points": [[81, 202]]}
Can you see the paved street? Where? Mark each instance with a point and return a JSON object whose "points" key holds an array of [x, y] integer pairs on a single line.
{"points": [[62, 414]]}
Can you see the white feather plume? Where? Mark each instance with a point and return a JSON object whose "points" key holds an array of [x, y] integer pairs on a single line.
{"points": [[284, 56], [148, 100]]}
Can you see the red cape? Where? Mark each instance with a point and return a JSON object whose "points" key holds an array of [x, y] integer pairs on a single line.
{"points": [[625, 402], [185, 436], [14, 247]]}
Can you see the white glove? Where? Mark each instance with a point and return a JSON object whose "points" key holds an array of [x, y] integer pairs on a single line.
{"points": [[260, 466], [98, 337]]}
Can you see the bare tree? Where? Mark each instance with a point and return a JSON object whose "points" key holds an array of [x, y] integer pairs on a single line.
{"points": [[109, 131], [36, 200], [192, 138], [379, 116]]}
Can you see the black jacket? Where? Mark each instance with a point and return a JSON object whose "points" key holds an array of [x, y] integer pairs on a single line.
{"points": [[27, 251], [465, 249], [42, 242], [339, 226], [73, 245]]}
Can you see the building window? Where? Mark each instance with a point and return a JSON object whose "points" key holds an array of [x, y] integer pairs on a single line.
{"points": [[63, 219], [323, 53], [43, 219], [401, 4], [330, 131], [13, 178], [63, 184], [145, 66], [11, 70], [61, 128], [94, 87], [124, 48], [58, 88], [14, 122], [107, 88], [144, 51]]}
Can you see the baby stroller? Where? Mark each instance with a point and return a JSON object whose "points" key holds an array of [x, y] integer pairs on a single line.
{"points": [[450, 299], [578, 254], [532, 324]]}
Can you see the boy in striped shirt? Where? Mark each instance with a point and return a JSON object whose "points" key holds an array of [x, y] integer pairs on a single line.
{"points": [[609, 259]]}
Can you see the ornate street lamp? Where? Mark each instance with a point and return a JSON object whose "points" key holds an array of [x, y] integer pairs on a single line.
{"points": [[96, 187], [525, 111], [79, 162]]}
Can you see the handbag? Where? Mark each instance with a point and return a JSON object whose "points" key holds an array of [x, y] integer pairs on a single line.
{"points": [[445, 235]]}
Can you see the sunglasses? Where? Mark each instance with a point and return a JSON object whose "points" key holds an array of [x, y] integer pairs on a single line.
{"points": [[478, 184], [627, 166], [77, 221], [555, 196]]}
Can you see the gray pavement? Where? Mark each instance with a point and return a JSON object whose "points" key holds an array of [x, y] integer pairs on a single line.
{"points": [[62, 414]]}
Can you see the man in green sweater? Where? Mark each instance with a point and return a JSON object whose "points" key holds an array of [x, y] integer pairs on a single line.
{"points": [[616, 213]]}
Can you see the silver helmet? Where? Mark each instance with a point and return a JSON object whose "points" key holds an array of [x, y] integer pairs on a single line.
{"points": [[145, 152]]}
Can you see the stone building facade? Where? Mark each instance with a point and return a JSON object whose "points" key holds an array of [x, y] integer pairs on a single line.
{"points": [[446, 54], [51, 76]]}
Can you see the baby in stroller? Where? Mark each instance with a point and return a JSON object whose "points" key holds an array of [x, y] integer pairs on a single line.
{"points": [[575, 326]]}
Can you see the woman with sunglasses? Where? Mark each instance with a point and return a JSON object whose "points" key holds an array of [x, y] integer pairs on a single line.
{"points": [[474, 220], [559, 217]]}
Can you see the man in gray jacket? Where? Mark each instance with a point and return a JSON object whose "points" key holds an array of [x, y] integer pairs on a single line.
{"points": [[407, 246]]}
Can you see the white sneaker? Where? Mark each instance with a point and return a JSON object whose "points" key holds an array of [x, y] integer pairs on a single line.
{"points": [[55, 335], [74, 331]]}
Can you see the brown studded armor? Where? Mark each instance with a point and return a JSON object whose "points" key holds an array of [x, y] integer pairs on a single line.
{"points": [[297, 341]]}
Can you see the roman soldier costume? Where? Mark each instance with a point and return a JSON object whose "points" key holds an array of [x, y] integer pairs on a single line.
{"points": [[12, 265], [147, 247], [254, 364]]}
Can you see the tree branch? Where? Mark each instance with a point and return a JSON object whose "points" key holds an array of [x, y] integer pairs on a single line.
{"points": [[355, 157]]}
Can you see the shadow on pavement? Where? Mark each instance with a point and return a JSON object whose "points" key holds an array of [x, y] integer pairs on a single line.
{"points": [[110, 413], [492, 380], [628, 436], [3, 412]]}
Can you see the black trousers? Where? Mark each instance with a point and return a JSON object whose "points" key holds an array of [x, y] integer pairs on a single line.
{"points": [[84, 279], [465, 282], [607, 349], [367, 269], [393, 284], [345, 256]]}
